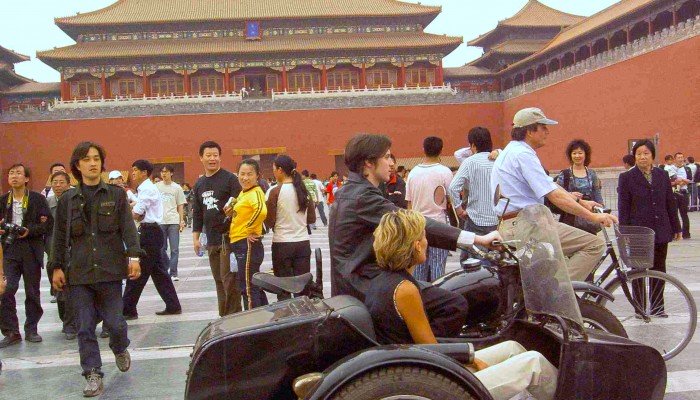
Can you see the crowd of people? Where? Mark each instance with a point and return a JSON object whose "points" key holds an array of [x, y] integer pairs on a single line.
{"points": [[98, 235]]}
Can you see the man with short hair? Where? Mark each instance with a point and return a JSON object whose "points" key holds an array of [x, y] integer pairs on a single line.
{"points": [[320, 190], [148, 212], [23, 248], [683, 180], [173, 217], [695, 174], [333, 185], [55, 167], [474, 180], [60, 183], [95, 246], [311, 189], [670, 168], [422, 181], [211, 192], [396, 187], [628, 161], [521, 178]]}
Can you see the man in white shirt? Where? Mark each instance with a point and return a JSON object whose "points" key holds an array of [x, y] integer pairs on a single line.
{"points": [[683, 179], [320, 192], [148, 211], [420, 189], [173, 217]]}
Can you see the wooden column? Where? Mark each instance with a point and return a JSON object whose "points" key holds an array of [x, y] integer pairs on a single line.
{"points": [[651, 27], [439, 79], [363, 77], [103, 80], [402, 75], [607, 40], [629, 35], [324, 78], [284, 79], [64, 93], [227, 81], [675, 16], [186, 83], [146, 84]]}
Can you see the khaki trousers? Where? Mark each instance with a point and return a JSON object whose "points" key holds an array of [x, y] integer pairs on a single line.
{"points": [[582, 249], [227, 291], [513, 370]]}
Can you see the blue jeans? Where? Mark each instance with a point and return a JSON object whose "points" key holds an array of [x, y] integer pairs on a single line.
{"points": [[249, 258], [172, 236], [434, 265], [91, 302], [322, 212]]}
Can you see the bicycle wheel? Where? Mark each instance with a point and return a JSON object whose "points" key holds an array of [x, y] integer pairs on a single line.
{"points": [[666, 302]]}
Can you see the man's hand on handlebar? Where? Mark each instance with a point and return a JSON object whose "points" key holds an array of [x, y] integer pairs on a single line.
{"points": [[606, 220], [487, 240]]}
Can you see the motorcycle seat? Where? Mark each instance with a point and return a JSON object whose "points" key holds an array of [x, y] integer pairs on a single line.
{"points": [[354, 312], [279, 285]]}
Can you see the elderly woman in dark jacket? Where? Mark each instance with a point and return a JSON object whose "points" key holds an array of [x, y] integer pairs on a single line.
{"points": [[645, 199]]}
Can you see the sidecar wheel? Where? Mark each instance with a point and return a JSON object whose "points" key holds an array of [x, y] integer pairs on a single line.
{"points": [[598, 317], [402, 383]]}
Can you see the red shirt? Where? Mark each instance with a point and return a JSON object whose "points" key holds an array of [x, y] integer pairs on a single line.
{"points": [[329, 190]]}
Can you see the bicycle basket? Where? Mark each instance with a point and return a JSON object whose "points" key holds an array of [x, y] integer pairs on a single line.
{"points": [[636, 246]]}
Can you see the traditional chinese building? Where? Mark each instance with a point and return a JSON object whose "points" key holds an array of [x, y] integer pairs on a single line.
{"points": [[182, 47], [18, 92]]}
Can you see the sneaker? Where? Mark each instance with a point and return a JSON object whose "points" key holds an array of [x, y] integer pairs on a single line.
{"points": [[94, 386], [168, 312], [104, 334], [123, 360], [10, 339], [176, 279], [33, 338], [131, 317]]}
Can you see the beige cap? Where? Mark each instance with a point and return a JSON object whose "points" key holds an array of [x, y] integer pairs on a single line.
{"points": [[115, 174], [529, 116]]}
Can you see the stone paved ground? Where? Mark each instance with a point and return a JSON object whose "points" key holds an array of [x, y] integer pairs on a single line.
{"points": [[160, 345]]}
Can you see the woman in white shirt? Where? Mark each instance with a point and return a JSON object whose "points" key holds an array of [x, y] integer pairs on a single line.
{"points": [[290, 211]]}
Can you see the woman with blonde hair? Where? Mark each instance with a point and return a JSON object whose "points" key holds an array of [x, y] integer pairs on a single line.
{"points": [[395, 304]]}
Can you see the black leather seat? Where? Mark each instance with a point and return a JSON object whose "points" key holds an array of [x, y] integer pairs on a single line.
{"points": [[353, 311], [279, 285]]}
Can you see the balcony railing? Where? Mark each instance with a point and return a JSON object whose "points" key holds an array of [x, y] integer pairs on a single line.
{"points": [[135, 101], [353, 92]]}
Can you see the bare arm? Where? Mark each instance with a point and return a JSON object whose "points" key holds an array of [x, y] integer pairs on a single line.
{"points": [[566, 202], [410, 307]]}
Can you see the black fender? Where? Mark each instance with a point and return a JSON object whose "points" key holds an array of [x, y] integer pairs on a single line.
{"points": [[366, 360], [585, 287]]}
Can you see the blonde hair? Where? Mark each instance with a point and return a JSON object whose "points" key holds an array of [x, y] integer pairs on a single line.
{"points": [[394, 239]]}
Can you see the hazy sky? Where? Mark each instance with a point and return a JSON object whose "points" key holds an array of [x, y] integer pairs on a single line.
{"points": [[27, 26]]}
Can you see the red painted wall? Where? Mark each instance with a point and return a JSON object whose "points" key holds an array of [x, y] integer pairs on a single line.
{"points": [[654, 92], [308, 135]]}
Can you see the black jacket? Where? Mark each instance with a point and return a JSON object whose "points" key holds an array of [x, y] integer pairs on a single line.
{"points": [[354, 215], [651, 205], [99, 246], [399, 200], [34, 242]]}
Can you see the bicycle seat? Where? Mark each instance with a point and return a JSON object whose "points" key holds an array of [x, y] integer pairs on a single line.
{"points": [[279, 285]]}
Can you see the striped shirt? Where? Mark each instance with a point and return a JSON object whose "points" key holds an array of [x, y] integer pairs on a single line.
{"points": [[474, 176]]}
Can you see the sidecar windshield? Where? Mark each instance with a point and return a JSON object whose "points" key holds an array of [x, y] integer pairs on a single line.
{"points": [[546, 285]]}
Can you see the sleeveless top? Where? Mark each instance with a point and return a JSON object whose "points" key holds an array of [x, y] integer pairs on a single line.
{"points": [[389, 326]]}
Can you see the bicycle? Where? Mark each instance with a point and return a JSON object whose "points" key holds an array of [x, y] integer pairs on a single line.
{"points": [[654, 317]]}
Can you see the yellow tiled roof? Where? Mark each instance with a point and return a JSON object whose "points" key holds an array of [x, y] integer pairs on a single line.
{"points": [[466, 70], [236, 45], [12, 56], [158, 11], [34, 87], [597, 20], [533, 14], [519, 46]]}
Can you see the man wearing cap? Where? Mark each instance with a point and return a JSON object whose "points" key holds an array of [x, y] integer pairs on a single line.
{"points": [[116, 178], [522, 179]]}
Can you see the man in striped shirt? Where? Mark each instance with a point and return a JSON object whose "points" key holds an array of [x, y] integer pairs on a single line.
{"points": [[474, 179]]}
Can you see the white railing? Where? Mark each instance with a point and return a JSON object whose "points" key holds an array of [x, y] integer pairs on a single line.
{"points": [[353, 92], [135, 101]]}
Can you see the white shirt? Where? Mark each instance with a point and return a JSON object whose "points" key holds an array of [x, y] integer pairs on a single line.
{"points": [[474, 175], [680, 173], [290, 224], [149, 203], [672, 171], [521, 177], [420, 189], [173, 196], [693, 170], [319, 189], [17, 214], [463, 153]]}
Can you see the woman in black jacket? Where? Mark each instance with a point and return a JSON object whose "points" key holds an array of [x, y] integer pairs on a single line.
{"points": [[645, 199]]}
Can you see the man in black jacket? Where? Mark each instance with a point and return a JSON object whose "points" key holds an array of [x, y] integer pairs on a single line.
{"points": [[24, 254], [359, 205], [95, 246]]}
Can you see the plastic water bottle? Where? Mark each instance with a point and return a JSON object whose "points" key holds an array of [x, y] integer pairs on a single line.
{"points": [[234, 262], [203, 244]]}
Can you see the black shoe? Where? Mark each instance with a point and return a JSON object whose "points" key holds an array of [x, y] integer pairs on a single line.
{"points": [[94, 386], [10, 339], [168, 312], [71, 336], [53, 299], [131, 317], [33, 337], [104, 334]]}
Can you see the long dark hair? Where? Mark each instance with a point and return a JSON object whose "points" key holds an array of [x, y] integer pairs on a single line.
{"points": [[289, 166]]}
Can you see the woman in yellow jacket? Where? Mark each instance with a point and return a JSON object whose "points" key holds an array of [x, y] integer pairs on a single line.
{"points": [[249, 212]]}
